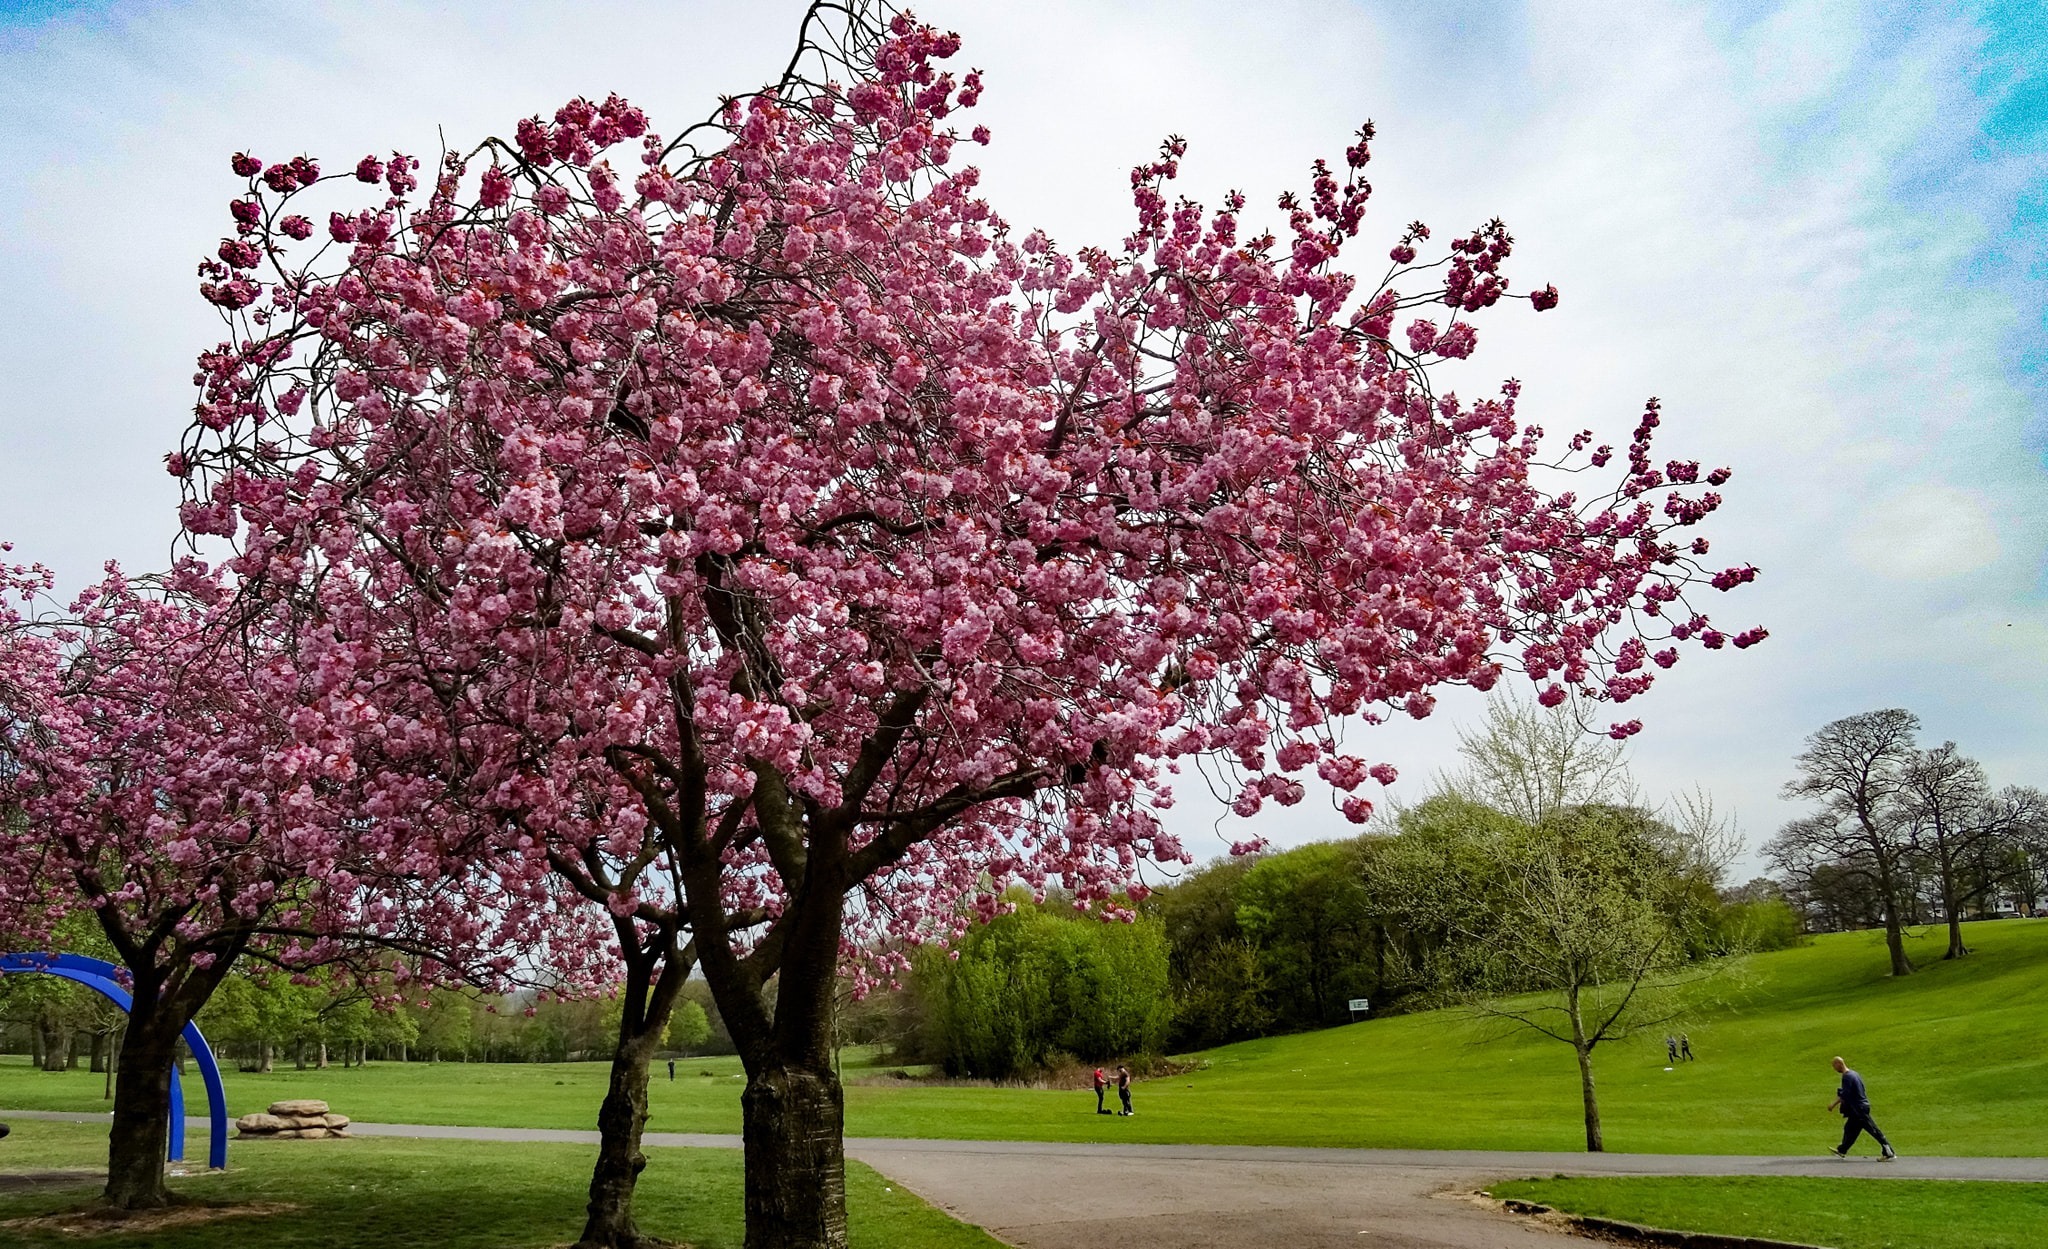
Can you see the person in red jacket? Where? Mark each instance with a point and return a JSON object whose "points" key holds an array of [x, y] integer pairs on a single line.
{"points": [[1101, 1087]]}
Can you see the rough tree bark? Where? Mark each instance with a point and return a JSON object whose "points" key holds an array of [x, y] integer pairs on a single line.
{"points": [[793, 1110], [142, 1109], [655, 972]]}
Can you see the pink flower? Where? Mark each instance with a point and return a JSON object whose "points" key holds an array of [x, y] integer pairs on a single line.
{"points": [[496, 190]]}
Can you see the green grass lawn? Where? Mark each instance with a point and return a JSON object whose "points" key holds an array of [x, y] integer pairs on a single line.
{"points": [[1956, 1057], [1844, 1214], [392, 1194]]}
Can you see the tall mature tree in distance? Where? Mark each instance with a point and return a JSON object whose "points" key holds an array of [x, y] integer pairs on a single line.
{"points": [[1947, 803], [1856, 768], [880, 553]]}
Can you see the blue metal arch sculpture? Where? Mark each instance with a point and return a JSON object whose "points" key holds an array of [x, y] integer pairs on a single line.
{"points": [[101, 975]]}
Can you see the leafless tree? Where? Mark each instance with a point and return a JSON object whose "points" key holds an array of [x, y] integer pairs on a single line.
{"points": [[1947, 804], [1856, 768]]}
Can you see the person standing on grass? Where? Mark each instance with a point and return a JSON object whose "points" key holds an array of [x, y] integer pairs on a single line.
{"points": [[1101, 1088], [1853, 1100], [671, 1071], [1123, 1090], [1685, 1047]]}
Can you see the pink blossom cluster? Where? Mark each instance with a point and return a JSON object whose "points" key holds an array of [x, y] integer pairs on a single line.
{"points": [[158, 768]]}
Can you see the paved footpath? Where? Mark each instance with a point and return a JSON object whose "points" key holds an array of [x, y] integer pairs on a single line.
{"points": [[1048, 1195]]}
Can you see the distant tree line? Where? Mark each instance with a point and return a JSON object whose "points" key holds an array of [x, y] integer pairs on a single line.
{"points": [[259, 1022], [1902, 836], [1536, 870]]}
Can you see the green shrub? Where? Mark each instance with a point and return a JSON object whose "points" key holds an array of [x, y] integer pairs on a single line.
{"points": [[1044, 981], [1763, 924]]}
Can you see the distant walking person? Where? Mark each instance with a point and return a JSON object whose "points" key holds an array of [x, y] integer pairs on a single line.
{"points": [[1123, 1090], [1101, 1088], [1853, 1100], [1685, 1047], [1671, 1048], [671, 1071]]}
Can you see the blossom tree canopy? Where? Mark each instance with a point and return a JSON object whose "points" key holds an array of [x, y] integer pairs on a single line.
{"points": [[870, 546], [152, 777]]}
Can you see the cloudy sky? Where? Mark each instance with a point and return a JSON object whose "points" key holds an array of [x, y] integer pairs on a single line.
{"points": [[1818, 231]]}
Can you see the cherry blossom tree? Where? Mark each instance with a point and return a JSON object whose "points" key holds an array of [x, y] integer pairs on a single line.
{"points": [[867, 557], [153, 779]]}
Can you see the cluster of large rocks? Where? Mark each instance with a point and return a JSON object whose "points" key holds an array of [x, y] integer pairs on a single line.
{"points": [[301, 1120]]}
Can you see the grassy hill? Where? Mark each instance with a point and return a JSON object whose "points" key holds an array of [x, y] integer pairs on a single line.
{"points": [[1956, 1057]]}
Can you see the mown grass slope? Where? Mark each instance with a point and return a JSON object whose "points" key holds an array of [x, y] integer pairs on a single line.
{"points": [[1956, 1057]]}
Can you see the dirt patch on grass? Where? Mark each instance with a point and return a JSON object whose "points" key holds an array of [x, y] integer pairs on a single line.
{"points": [[99, 1221], [16, 1182]]}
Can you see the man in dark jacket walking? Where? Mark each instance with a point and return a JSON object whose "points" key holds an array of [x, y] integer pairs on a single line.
{"points": [[1853, 1100]]}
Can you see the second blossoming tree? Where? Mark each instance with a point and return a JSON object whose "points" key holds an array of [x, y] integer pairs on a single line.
{"points": [[877, 552]]}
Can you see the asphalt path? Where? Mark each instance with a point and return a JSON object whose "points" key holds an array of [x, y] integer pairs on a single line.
{"points": [[1064, 1195]]}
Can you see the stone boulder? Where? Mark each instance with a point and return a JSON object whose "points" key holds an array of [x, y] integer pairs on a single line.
{"points": [[301, 1119]]}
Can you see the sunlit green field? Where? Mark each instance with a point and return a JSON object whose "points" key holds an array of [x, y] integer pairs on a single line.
{"points": [[1956, 1058]]}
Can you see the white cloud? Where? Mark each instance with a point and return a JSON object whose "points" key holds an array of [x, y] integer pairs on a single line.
{"points": [[1925, 533]]}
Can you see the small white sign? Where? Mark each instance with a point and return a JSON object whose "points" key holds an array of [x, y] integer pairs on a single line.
{"points": [[1359, 1003]]}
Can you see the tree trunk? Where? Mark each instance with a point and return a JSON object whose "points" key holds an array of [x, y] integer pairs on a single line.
{"points": [[795, 1125], [113, 1062], [793, 1110], [136, 1147], [1952, 907], [1894, 931], [263, 1056], [1584, 1049], [98, 1062], [620, 1121], [323, 1054], [655, 972], [56, 1046]]}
